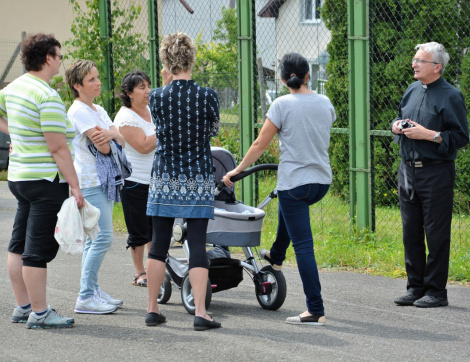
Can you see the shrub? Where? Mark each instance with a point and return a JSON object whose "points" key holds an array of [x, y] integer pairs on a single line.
{"points": [[395, 28], [229, 138]]}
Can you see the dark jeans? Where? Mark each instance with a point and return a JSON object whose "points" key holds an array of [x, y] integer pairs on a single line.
{"points": [[294, 224], [428, 214], [134, 198], [197, 231], [35, 220]]}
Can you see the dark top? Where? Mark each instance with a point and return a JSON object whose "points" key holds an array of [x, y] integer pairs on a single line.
{"points": [[437, 106], [186, 116]]}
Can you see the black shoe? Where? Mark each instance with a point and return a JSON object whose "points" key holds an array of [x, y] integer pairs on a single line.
{"points": [[408, 299], [430, 301], [201, 324], [153, 319]]}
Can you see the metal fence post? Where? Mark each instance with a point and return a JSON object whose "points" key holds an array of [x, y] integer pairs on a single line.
{"points": [[154, 10], [107, 79], [245, 86], [359, 116]]}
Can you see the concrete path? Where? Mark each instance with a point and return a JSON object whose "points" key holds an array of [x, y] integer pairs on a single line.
{"points": [[363, 324]]}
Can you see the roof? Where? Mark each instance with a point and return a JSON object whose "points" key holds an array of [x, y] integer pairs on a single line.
{"points": [[271, 9]]}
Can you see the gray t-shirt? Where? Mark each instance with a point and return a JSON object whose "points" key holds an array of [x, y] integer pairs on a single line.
{"points": [[304, 122]]}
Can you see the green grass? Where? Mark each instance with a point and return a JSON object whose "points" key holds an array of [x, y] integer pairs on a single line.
{"points": [[339, 247], [379, 253], [118, 218], [3, 175]]}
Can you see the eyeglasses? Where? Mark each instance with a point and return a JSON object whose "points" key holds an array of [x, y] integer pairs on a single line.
{"points": [[421, 61]]}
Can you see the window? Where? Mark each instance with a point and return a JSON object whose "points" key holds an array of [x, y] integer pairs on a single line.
{"points": [[311, 11], [318, 77]]}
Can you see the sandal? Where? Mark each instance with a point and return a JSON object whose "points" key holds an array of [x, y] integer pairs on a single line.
{"points": [[141, 283]]}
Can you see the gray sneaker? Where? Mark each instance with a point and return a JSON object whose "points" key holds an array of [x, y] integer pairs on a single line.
{"points": [[107, 298], [51, 319], [20, 315], [94, 305]]}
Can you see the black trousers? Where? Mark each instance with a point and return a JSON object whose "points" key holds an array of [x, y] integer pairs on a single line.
{"points": [[428, 214], [161, 238], [134, 198], [36, 217]]}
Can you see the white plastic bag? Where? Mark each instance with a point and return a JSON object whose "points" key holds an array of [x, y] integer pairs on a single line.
{"points": [[74, 225]]}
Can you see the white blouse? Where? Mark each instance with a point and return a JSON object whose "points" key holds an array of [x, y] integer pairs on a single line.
{"points": [[141, 162]]}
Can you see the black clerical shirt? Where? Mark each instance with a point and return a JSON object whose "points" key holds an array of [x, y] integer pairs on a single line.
{"points": [[436, 106]]}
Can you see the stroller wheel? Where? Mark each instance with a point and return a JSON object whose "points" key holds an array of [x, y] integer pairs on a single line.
{"points": [[165, 290], [187, 295], [271, 292]]}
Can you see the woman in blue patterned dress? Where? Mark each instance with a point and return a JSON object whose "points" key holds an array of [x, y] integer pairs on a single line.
{"points": [[182, 179]]}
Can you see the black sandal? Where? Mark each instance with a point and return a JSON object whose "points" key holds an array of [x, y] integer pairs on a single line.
{"points": [[142, 283]]}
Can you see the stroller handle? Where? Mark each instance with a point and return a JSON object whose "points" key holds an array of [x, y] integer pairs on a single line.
{"points": [[247, 172]]}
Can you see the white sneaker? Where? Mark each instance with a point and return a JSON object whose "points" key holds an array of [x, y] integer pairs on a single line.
{"points": [[107, 298], [94, 305]]}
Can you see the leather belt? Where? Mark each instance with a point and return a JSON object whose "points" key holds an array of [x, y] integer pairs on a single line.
{"points": [[425, 163]]}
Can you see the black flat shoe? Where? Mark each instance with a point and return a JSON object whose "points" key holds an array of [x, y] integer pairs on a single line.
{"points": [[153, 319], [201, 324], [264, 255]]}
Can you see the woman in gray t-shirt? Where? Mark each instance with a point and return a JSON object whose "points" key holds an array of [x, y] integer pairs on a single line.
{"points": [[303, 120]]}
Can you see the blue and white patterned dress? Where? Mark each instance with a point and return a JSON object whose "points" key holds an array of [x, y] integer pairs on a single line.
{"points": [[186, 116]]}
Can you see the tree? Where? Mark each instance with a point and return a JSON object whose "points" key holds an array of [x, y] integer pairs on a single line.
{"points": [[216, 61], [130, 50], [396, 27]]}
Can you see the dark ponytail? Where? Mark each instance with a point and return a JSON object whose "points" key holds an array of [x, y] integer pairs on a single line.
{"points": [[294, 68]]}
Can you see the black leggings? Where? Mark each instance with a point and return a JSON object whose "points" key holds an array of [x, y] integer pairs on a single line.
{"points": [[161, 237]]}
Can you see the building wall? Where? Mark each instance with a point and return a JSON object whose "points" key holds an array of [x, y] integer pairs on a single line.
{"points": [[293, 35], [31, 16], [48, 16]]}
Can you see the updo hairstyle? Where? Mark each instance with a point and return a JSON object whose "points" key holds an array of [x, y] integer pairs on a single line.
{"points": [[294, 67], [177, 52]]}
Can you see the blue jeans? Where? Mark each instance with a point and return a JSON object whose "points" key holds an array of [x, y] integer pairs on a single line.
{"points": [[294, 224], [94, 251]]}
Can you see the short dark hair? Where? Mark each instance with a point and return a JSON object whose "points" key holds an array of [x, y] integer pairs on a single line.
{"points": [[129, 82], [294, 67], [35, 48]]}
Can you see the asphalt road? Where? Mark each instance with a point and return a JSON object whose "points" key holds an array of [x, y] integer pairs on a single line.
{"points": [[363, 324]]}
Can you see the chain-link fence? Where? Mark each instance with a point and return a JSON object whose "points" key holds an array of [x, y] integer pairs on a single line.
{"points": [[132, 18], [10, 59], [297, 26], [395, 29], [317, 29]]}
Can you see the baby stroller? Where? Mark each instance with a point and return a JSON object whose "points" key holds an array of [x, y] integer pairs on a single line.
{"points": [[234, 224]]}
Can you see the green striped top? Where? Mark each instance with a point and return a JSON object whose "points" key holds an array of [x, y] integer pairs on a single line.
{"points": [[31, 107]]}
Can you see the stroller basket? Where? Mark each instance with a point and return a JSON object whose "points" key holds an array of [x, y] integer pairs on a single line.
{"points": [[235, 224]]}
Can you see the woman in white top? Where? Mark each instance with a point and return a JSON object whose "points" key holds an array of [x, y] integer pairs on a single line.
{"points": [[134, 122], [94, 132]]}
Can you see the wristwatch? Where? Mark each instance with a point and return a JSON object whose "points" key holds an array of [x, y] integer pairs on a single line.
{"points": [[436, 137]]}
